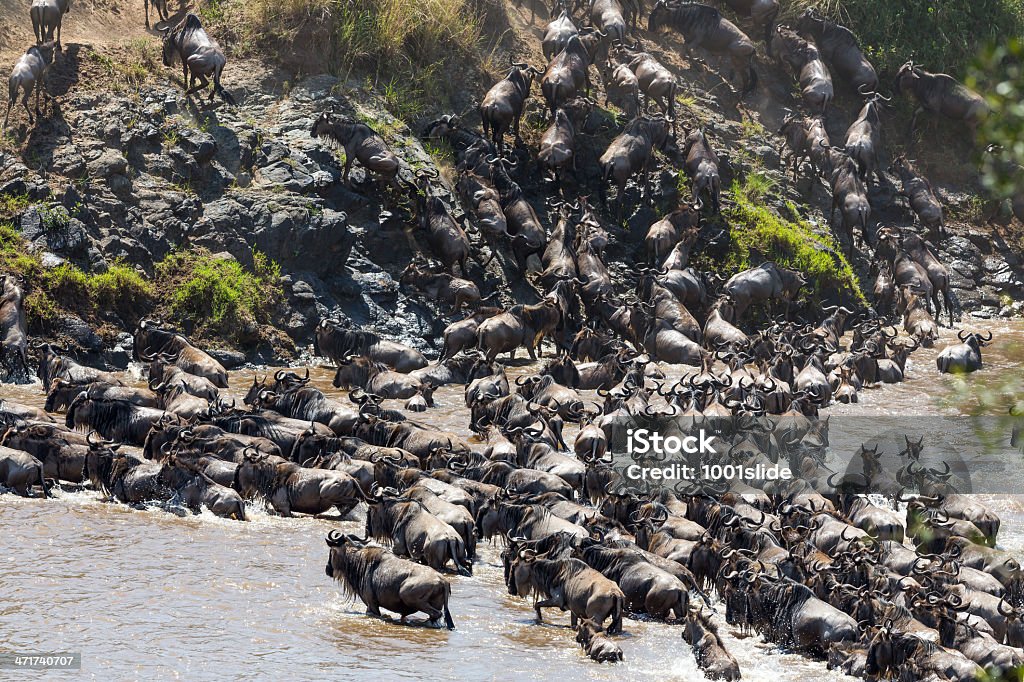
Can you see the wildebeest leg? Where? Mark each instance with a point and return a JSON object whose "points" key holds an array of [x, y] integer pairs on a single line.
{"points": [[913, 121], [24, 103], [184, 74], [537, 606], [147, 13], [949, 304], [203, 82], [348, 167], [7, 116]]}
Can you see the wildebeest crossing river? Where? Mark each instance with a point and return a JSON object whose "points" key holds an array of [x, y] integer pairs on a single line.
{"points": [[141, 593]]}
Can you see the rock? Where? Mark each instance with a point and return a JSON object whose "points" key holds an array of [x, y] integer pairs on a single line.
{"points": [[79, 333], [229, 358], [198, 144], [109, 162], [287, 175]]}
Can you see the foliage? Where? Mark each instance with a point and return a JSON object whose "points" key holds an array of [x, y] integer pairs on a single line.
{"points": [[1002, 133], [757, 234], [940, 36], [217, 295], [121, 289]]}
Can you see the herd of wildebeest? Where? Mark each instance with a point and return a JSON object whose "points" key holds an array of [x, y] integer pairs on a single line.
{"points": [[881, 593]]}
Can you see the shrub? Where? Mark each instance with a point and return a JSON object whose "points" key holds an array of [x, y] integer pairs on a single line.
{"points": [[940, 36], [216, 295], [122, 290], [758, 234]]}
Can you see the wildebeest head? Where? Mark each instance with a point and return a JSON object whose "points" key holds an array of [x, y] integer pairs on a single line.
{"points": [[906, 76]]}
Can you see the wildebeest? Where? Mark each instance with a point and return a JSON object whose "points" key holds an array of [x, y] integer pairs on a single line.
{"points": [[863, 140], [446, 237], [940, 93], [849, 197], [290, 488], [656, 82], [964, 357], [376, 378], [13, 331], [520, 325], [938, 274], [702, 168], [839, 47], [568, 72], [441, 286], [502, 106], [382, 580], [119, 420], [200, 55], [762, 12], [151, 339], [704, 26], [47, 19], [557, 34], [632, 152], [806, 138], [805, 61], [663, 235], [53, 366], [918, 191], [28, 74], [161, 9], [621, 85], [416, 533], [20, 471], [765, 283], [360, 142], [708, 650], [610, 17], [336, 342], [595, 643]]}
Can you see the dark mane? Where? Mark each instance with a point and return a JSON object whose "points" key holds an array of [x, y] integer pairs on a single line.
{"points": [[357, 566]]}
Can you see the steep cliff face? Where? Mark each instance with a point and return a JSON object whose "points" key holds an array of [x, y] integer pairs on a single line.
{"points": [[122, 171]]}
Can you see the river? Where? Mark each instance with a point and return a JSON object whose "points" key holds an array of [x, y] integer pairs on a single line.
{"points": [[149, 595]]}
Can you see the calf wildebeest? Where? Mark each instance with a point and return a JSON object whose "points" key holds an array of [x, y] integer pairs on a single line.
{"points": [[964, 357], [441, 286], [13, 332], [918, 191], [20, 471], [502, 106], [336, 342], [161, 9], [702, 168], [941, 94], [360, 142], [200, 55], [598, 646], [765, 283], [806, 138], [704, 26], [805, 61], [839, 47], [151, 339], [28, 74], [47, 18], [863, 140], [382, 580], [708, 650], [630, 153]]}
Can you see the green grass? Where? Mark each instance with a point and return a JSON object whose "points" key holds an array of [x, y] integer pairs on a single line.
{"points": [[218, 296], [757, 234], [940, 36], [121, 289]]}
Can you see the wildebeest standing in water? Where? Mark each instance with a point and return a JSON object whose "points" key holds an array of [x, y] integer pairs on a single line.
{"points": [[151, 339], [360, 142], [200, 57], [28, 74], [382, 580], [47, 18], [13, 332], [335, 342]]}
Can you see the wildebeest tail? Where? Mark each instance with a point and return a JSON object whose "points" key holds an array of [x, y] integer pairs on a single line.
{"points": [[448, 622], [615, 628]]}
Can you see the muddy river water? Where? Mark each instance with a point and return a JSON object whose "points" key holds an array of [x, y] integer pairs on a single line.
{"points": [[150, 596]]}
